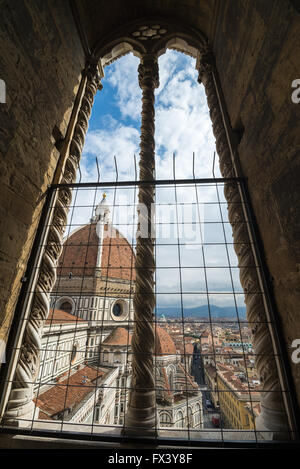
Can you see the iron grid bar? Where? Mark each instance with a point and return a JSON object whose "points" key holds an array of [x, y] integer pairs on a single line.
{"points": [[158, 441], [268, 292], [157, 182], [281, 350]]}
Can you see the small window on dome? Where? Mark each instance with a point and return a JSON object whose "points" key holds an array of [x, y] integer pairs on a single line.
{"points": [[117, 309], [66, 307]]}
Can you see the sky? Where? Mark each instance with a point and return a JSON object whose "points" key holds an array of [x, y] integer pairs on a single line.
{"points": [[182, 127], [182, 123]]}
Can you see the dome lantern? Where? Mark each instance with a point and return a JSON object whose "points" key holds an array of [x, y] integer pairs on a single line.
{"points": [[102, 211]]}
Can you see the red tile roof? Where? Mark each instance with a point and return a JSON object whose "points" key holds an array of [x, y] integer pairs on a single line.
{"points": [[57, 316], [164, 344], [68, 393], [119, 336]]}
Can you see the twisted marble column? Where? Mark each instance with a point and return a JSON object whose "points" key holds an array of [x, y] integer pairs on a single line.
{"points": [[141, 409], [273, 416], [20, 407]]}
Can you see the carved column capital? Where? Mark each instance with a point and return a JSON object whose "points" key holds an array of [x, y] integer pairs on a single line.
{"points": [[95, 75], [205, 62], [148, 71]]}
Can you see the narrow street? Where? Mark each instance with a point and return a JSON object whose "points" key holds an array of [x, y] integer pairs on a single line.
{"points": [[199, 375]]}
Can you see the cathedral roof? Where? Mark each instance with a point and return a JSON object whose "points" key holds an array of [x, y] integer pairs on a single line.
{"points": [[68, 393], [164, 344], [80, 254], [119, 336], [58, 316]]}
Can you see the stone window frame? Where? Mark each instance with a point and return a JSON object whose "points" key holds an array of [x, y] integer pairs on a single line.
{"points": [[65, 299], [125, 309], [192, 43], [165, 417], [180, 419]]}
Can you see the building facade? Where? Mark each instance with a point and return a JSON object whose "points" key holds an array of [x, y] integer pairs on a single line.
{"points": [[85, 371]]}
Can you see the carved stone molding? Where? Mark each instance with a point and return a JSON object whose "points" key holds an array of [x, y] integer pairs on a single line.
{"points": [[20, 407], [141, 410], [146, 32], [273, 416], [148, 37]]}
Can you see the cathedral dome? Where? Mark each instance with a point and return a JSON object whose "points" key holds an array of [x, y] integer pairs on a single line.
{"points": [[119, 336], [164, 344], [80, 255]]}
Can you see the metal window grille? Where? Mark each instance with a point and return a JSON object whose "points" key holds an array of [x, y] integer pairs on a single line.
{"points": [[206, 384]]}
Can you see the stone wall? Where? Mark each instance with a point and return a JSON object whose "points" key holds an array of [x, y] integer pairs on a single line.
{"points": [[41, 62], [257, 52]]}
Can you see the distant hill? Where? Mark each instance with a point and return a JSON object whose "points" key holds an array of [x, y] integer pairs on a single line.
{"points": [[218, 312]]}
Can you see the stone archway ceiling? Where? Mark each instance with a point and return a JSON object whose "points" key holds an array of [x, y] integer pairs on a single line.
{"points": [[148, 36], [147, 32], [99, 21]]}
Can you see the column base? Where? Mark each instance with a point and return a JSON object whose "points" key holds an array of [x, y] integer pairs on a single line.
{"points": [[139, 432], [20, 409], [141, 419], [272, 425]]}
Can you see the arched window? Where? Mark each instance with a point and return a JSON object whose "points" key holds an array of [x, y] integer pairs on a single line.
{"points": [[179, 419], [171, 380], [197, 413], [165, 419], [97, 414], [190, 418], [107, 418], [74, 353], [117, 357], [66, 306]]}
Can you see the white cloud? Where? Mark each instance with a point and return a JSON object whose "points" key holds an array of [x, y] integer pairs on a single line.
{"points": [[121, 141], [123, 78], [183, 124], [167, 66]]}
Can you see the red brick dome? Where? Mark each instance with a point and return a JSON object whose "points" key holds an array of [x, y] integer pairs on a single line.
{"points": [[164, 344], [119, 336], [80, 253]]}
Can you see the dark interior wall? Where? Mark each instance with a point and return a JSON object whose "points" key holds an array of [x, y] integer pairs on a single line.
{"points": [[257, 51], [40, 61]]}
